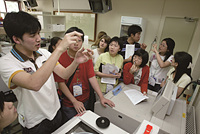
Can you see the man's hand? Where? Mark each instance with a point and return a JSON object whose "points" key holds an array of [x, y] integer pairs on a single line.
{"points": [[143, 46], [82, 57], [105, 101], [79, 106], [69, 38]]}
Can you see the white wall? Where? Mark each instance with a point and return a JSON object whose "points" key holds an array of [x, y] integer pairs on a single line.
{"points": [[152, 11]]}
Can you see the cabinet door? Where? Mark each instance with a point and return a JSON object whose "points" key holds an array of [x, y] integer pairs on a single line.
{"points": [[52, 25]]}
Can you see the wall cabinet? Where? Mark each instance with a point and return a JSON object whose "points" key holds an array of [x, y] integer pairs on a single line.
{"points": [[52, 25]]}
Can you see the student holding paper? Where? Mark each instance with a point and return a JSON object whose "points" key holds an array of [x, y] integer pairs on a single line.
{"points": [[134, 33], [136, 71], [112, 58]]}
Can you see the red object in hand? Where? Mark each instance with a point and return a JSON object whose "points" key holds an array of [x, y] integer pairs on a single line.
{"points": [[148, 129]]}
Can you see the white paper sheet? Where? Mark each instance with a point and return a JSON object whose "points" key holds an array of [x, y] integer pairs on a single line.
{"points": [[109, 69], [130, 49], [135, 96]]}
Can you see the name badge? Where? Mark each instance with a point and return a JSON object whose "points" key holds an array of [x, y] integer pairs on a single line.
{"points": [[77, 89]]}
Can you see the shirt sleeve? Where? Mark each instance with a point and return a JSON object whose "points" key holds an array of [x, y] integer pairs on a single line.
{"points": [[127, 76], [98, 63], [145, 77], [184, 80], [8, 70], [170, 72], [44, 52], [90, 70], [170, 58], [58, 78], [121, 61]]}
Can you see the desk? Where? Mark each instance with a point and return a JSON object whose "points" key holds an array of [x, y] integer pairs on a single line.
{"points": [[128, 116], [86, 123]]}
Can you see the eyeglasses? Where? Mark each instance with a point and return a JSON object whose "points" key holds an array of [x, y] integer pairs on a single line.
{"points": [[163, 45]]}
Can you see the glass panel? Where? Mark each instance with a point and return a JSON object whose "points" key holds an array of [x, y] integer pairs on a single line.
{"points": [[84, 21], [12, 6]]}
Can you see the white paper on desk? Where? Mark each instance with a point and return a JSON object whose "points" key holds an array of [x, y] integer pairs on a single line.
{"points": [[135, 96], [109, 69], [130, 49]]}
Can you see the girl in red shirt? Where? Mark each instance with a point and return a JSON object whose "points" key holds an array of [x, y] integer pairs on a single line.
{"points": [[136, 71]]}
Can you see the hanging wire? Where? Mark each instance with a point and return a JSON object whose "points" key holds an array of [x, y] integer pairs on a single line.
{"points": [[155, 39]]}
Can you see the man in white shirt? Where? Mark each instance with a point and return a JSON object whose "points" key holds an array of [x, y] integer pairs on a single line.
{"points": [[27, 70]]}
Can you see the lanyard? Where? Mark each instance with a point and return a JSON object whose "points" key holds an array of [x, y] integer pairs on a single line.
{"points": [[77, 69]]}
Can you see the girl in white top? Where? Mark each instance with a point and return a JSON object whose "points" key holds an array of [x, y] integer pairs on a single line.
{"points": [[181, 73], [160, 62], [102, 45]]}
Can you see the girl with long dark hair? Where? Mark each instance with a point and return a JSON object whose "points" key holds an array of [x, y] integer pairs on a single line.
{"points": [[180, 74], [160, 62]]}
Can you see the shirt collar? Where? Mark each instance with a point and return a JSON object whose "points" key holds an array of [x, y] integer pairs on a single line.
{"points": [[21, 57]]}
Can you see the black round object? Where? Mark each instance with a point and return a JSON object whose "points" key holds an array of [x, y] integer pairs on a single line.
{"points": [[102, 122]]}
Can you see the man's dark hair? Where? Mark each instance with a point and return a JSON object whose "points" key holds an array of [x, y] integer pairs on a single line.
{"points": [[133, 29], [72, 29], [1, 102], [142, 53], [19, 23]]}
